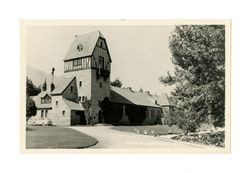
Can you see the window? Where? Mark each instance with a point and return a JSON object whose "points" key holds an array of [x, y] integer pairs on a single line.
{"points": [[56, 103], [47, 99], [159, 113], [84, 98], [63, 113], [77, 62], [79, 47], [79, 98], [80, 83], [71, 89], [152, 113], [100, 84], [41, 113], [101, 62]]}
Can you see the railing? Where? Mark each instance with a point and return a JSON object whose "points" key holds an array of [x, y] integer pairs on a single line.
{"points": [[102, 72]]}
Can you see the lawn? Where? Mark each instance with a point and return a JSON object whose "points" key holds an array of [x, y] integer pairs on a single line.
{"points": [[53, 137], [153, 130]]}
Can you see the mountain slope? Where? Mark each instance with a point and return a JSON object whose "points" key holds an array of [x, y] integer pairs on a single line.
{"points": [[38, 77]]}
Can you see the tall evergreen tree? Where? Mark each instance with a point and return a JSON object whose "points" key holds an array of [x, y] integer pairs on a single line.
{"points": [[198, 52], [116, 83], [45, 86], [31, 89]]}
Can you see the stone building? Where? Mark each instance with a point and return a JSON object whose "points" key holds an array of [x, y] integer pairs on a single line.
{"points": [[76, 99]]}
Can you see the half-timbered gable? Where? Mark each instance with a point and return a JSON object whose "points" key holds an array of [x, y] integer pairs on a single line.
{"points": [[87, 51], [101, 57]]}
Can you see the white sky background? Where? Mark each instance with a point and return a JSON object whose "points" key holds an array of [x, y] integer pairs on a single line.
{"points": [[140, 54]]}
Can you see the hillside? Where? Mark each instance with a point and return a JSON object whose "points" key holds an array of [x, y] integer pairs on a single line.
{"points": [[38, 77]]}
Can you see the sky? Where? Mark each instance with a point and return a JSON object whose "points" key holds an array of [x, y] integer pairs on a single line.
{"points": [[140, 54]]}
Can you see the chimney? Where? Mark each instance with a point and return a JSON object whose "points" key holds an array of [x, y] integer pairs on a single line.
{"points": [[129, 88], [76, 35], [52, 87], [141, 90], [147, 92]]}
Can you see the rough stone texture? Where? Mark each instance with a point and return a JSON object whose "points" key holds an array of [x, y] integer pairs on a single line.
{"points": [[98, 93], [57, 116]]}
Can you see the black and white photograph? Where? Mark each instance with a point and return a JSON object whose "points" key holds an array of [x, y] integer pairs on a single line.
{"points": [[125, 86]]}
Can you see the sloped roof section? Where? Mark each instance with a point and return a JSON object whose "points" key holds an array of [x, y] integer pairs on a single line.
{"points": [[62, 85], [126, 96], [73, 105], [87, 42], [162, 100]]}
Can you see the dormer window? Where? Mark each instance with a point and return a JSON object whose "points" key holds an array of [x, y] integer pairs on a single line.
{"points": [[79, 47], [46, 99]]}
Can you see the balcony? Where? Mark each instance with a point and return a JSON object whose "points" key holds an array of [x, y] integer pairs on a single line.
{"points": [[102, 72]]}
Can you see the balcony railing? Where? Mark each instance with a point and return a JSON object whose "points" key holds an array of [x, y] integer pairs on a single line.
{"points": [[102, 72]]}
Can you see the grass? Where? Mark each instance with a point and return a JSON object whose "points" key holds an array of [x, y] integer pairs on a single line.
{"points": [[53, 137], [153, 130]]}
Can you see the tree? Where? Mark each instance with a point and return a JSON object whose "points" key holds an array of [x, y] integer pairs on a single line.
{"points": [[116, 83], [45, 86], [30, 108], [31, 89], [198, 52]]}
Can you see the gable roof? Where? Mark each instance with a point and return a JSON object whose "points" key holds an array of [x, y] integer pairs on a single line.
{"points": [[62, 85], [121, 95], [88, 42], [73, 105], [37, 100]]}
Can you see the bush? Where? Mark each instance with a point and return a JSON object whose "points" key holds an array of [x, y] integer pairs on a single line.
{"points": [[30, 108], [217, 138]]}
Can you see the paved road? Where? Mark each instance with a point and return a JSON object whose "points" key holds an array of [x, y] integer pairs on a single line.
{"points": [[109, 138]]}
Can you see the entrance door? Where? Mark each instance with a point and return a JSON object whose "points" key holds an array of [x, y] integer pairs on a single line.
{"points": [[82, 117]]}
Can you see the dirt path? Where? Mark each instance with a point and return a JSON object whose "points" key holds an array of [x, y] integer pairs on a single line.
{"points": [[109, 138]]}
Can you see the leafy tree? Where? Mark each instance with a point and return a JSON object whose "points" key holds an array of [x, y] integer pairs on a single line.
{"points": [[116, 83], [198, 52], [30, 108], [31, 89], [45, 86]]}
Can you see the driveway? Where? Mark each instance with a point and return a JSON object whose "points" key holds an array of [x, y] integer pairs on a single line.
{"points": [[109, 138]]}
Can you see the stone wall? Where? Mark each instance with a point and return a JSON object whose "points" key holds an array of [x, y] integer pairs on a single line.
{"points": [[85, 77], [57, 117], [98, 93]]}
